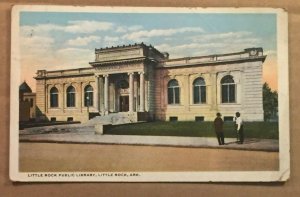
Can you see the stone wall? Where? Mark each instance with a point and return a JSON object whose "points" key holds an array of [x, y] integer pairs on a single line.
{"points": [[248, 80]]}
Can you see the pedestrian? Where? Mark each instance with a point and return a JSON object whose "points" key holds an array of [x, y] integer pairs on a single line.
{"points": [[218, 123], [239, 128]]}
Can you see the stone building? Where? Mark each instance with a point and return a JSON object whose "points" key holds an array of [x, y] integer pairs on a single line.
{"points": [[27, 104], [141, 83]]}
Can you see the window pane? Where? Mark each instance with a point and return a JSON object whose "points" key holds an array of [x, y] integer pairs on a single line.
{"points": [[227, 79], [224, 94], [196, 95], [88, 99], [173, 83], [203, 94], [231, 93], [170, 95], [53, 100], [199, 81], [177, 96], [71, 100]]}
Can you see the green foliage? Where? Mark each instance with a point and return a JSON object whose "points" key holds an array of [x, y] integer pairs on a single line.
{"points": [[266, 130], [270, 103]]}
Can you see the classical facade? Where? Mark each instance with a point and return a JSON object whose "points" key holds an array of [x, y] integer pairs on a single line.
{"points": [[143, 83]]}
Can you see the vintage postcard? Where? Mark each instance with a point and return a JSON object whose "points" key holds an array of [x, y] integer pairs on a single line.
{"points": [[136, 94]]}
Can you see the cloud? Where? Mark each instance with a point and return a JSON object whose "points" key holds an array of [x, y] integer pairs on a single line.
{"points": [[220, 36], [80, 26], [143, 35], [87, 26], [83, 41], [36, 46]]}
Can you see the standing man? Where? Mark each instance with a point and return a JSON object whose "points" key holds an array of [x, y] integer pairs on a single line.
{"points": [[218, 123], [239, 128]]}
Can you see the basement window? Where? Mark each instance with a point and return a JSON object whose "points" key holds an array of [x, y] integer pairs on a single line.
{"points": [[199, 118], [173, 118], [70, 119]]}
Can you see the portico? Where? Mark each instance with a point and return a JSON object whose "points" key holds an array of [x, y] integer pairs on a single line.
{"points": [[122, 92]]}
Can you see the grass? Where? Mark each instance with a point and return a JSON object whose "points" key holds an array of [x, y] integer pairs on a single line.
{"points": [[265, 130]]}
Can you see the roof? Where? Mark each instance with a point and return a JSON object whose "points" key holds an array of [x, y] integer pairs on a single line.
{"points": [[24, 87]]}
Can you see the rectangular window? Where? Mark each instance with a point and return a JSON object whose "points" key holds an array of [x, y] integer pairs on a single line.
{"points": [[170, 96], [196, 95], [71, 100], [199, 118], [203, 94], [173, 118], [70, 119], [177, 95], [52, 119], [228, 118], [224, 94], [231, 93], [54, 100]]}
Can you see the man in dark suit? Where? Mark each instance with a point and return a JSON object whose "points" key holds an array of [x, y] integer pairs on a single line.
{"points": [[218, 123]]}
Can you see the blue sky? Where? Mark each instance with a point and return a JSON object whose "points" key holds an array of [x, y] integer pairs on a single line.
{"points": [[57, 40]]}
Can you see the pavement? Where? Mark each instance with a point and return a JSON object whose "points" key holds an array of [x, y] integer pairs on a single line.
{"points": [[269, 145]]}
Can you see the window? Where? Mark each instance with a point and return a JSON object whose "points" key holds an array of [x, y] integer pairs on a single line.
{"points": [[70, 119], [173, 92], [52, 119], [88, 96], [70, 96], [228, 118], [53, 97], [173, 118], [228, 89], [199, 91], [199, 118]]}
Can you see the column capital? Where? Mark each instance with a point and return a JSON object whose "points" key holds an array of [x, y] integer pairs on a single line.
{"points": [[97, 75], [130, 73], [105, 75], [141, 73]]}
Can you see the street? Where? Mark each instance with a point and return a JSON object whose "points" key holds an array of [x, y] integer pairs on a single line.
{"points": [[57, 157]]}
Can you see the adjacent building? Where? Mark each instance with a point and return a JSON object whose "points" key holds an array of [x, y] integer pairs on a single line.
{"points": [[142, 83]]}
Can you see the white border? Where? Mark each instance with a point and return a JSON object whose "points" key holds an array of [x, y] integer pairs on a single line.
{"points": [[227, 176]]}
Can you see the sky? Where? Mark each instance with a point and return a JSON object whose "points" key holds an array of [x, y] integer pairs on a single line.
{"points": [[65, 40]]}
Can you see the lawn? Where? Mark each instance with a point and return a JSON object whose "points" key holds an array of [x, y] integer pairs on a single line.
{"points": [[266, 130]]}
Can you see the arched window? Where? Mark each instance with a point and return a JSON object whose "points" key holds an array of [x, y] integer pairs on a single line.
{"points": [[53, 97], [88, 96], [228, 89], [71, 96], [199, 91], [173, 92]]}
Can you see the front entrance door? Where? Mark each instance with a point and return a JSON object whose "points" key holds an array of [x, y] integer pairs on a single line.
{"points": [[124, 103]]}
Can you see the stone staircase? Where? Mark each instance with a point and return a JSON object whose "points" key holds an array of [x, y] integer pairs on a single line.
{"points": [[114, 119]]}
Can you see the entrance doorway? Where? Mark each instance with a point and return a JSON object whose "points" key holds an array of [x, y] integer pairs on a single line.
{"points": [[124, 103]]}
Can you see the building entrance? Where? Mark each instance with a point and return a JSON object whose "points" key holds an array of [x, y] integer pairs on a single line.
{"points": [[124, 103]]}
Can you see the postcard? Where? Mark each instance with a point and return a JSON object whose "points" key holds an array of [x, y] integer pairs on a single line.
{"points": [[140, 94]]}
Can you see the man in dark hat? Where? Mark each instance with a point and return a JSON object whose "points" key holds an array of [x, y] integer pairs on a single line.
{"points": [[239, 128], [218, 123]]}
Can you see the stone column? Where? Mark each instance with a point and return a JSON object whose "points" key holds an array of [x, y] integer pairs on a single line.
{"points": [[101, 92], [97, 92], [214, 90], [142, 92], [106, 93], [130, 92]]}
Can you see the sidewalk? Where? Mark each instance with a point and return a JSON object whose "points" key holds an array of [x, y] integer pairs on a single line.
{"points": [[201, 142]]}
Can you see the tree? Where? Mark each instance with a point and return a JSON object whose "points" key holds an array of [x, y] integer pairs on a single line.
{"points": [[270, 103]]}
